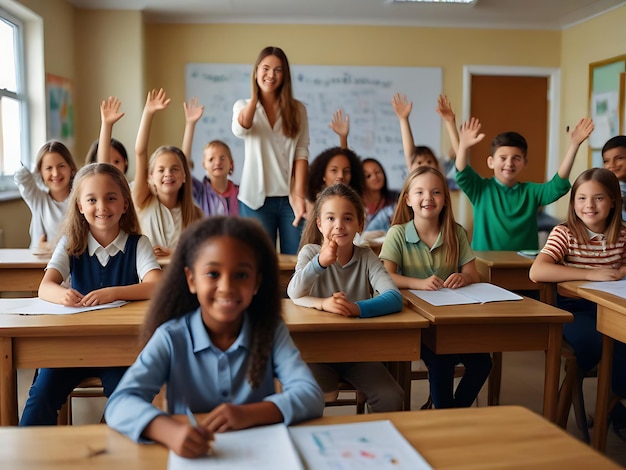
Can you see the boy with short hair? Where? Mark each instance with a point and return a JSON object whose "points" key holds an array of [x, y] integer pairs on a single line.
{"points": [[614, 160], [505, 210]]}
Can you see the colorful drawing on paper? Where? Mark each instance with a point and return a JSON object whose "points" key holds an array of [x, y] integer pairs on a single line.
{"points": [[60, 102]]}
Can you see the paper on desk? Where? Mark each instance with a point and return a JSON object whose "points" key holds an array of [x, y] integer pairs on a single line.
{"points": [[37, 306], [373, 444], [478, 293], [260, 448], [617, 288]]}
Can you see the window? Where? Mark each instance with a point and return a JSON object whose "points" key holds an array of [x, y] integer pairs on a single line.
{"points": [[14, 129]]}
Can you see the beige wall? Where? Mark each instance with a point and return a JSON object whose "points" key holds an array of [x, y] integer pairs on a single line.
{"points": [[114, 53]]}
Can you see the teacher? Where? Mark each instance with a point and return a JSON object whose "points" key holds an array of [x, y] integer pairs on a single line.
{"points": [[275, 131]]}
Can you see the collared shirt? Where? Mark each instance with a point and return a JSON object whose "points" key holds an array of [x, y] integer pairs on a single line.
{"points": [[146, 261], [197, 373], [414, 258]]}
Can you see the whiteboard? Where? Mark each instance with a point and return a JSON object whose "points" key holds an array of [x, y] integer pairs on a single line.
{"points": [[364, 93]]}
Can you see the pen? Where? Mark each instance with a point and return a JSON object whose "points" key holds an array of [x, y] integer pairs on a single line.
{"points": [[192, 419]]}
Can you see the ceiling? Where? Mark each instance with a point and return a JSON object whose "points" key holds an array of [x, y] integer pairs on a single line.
{"points": [[504, 14]]}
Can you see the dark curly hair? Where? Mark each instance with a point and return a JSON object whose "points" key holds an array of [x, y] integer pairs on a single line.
{"points": [[174, 300], [318, 169]]}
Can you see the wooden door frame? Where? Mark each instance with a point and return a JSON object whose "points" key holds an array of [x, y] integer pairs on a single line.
{"points": [[553, 157]]}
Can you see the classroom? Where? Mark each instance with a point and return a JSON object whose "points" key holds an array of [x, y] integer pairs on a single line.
{"points": [[118, 52]]}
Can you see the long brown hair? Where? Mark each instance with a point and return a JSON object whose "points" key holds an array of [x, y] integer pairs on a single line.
{"points": [[76, 227], [614, 221], [311, 233], [174, 300], [54, 146], [447, 224], [188, 209], [288, 105]]}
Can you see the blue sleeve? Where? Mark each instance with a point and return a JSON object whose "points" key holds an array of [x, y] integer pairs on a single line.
{"points": [[388, 302]]}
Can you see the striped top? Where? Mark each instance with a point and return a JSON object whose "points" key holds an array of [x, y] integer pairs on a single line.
{"points": [[598, 253]]}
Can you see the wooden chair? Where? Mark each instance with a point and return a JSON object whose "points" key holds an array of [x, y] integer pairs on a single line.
{"points": [[358, 399], [90, 387]]}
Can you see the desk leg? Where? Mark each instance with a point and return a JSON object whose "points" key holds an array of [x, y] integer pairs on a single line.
{"points": [[600, 425], [553, 370], [8, 384], [495, 380]]}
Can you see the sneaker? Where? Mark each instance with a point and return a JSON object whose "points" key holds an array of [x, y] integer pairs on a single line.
{"points": [[618, 420]]}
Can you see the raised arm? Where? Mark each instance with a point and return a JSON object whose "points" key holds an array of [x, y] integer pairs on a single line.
{"points": [[340, 125], [109, 115], [156, 101], [444, 109], [193, 113], [580, 133], [470, 135], [246, 115], [403, 108]]}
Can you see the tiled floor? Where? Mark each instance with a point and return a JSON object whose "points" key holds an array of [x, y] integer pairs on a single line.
{"points": [[522, 384]]}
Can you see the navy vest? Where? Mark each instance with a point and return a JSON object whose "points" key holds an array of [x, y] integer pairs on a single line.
{"points": [[121, 270]]}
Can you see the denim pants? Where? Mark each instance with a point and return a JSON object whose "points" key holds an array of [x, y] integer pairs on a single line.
{"points": [[52, 387], [586, 340], [276, 216], [441, 377]]}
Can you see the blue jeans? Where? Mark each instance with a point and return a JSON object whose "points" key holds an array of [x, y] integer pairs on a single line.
{"points": [[441, 377], [586, 340], [276, 216], [52, 387]]}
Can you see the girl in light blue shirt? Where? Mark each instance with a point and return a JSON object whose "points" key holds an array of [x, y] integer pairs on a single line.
{"points": [[216, 339]]}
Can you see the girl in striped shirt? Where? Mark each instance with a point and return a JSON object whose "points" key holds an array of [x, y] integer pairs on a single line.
{"points": [[590, 246]]}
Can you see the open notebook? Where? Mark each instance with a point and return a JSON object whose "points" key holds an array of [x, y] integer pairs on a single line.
{"points": [[373, 444], [479, 293]]}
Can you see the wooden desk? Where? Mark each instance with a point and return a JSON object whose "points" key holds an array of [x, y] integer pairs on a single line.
{"points": [[326, 337], [104, 338], [21, 270], [286, 268], [522, 325], [494, 437], [611, 322]]}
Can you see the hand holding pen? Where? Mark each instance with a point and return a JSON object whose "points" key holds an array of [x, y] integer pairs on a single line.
{"points": [[193, 440]]}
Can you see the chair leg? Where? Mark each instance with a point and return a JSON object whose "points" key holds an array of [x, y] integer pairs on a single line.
{"points": [[566, 392], [64, 418], [495, 380]]}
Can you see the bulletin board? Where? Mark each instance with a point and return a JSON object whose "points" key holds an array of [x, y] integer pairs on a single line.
{"points": [[607, 81], [364, 93]]}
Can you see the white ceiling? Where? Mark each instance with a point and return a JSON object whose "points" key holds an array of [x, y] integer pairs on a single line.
{"points": [[505, 14]]}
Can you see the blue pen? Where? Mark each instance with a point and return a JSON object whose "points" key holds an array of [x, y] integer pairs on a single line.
{"points": [[192, 419]]}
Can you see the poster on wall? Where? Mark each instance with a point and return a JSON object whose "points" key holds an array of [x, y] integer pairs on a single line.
{"points": [[60, 107], [605, 115]]}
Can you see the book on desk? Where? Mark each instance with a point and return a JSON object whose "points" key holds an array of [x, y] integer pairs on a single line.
{"points": [[478, 293]]}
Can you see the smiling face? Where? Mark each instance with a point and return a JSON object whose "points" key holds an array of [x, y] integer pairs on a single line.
{"points": [[117, 160], [615, 161], [56, 174], [269, 74], [507, 163], [426, 196], [217, 162], [338, 170], [338, 220], [102, 204], [225, 277], [592, 204], [167, 175], [374, 176]]}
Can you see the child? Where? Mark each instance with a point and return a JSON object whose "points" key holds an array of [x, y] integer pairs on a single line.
{"points": [[339, 277], [590, 246], [505, 210], [414, 155], [332, 166], [108, 259], [216, 339], [426, 249], [56, 168], [162, 191], [107, 149], [614, 159], [215, 194]]}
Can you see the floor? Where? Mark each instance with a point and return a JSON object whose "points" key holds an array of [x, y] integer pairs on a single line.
{"points": [[522, 384]]}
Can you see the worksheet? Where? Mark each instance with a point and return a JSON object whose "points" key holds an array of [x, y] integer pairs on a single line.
{"points": [[37, 306], [478, 293]]}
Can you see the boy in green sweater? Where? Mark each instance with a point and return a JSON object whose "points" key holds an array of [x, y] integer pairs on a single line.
{"points": [[505, 210]]}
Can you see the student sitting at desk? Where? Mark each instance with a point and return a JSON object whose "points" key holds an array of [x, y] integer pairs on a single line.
{"points": [[334, 275], [108, 259], [217, 342], [426, 249], [590, 246]]}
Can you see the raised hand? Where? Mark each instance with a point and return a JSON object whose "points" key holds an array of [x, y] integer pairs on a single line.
{"points": [[444, 109], [470, 133], [582, 131], [401, 106], [340, 123], [110, 110], [193, 111], [157, 100]]}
